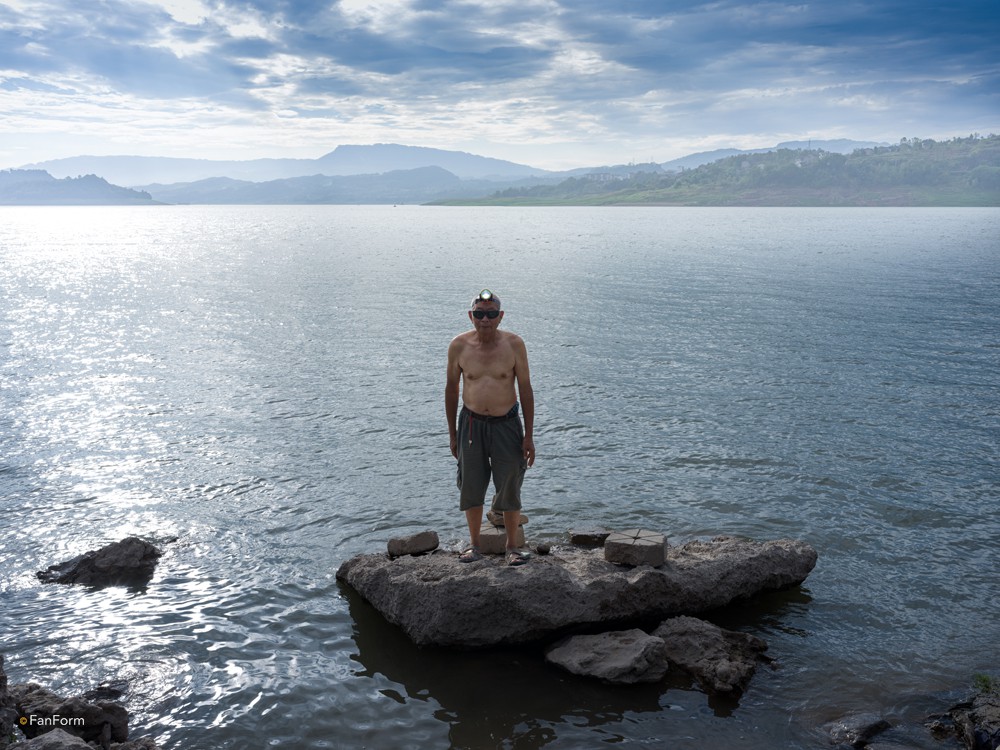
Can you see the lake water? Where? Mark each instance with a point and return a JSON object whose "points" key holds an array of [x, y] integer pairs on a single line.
{"points": [[266, 384]]}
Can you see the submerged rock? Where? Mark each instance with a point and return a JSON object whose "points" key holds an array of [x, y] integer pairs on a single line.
{"points": [[438, 601], [128, 562], [722, 661], [621, 657], [856, 729]]}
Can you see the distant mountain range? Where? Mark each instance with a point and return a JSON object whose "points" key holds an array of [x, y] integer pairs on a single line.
{"points": [[343, 160], [380, 158], [380, 173]]}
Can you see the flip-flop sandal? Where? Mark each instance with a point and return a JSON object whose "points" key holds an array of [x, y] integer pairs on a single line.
{"points": [[470, 555], [516, 557]]}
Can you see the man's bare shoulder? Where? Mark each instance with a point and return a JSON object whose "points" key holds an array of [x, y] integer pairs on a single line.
{"points": [[462, 340], [513, 339]]}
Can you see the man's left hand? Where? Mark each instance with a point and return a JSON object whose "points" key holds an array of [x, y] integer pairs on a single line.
{"points": [[528, 449]]}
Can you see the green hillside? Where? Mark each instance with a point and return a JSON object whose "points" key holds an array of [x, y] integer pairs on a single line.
{"points": [[959, 172]]}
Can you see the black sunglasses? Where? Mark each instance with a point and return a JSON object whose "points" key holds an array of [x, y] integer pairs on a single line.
{"points": [[480, 314]]}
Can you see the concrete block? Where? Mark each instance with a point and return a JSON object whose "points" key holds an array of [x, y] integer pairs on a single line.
{"points": [[636, 547], [493, 539]]}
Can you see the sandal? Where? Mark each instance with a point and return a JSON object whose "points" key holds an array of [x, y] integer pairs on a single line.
{"points": [[517, 557], [470, 555]]}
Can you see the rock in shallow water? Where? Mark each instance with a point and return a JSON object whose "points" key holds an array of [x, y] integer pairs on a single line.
{"points": [[438, 601], [128, 562], [722, 661]]}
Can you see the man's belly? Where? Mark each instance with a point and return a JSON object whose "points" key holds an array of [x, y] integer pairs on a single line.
{"points": [[489, 399]]}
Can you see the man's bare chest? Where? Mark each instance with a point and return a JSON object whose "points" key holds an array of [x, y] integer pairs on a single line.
{"points": [[496, 363]]}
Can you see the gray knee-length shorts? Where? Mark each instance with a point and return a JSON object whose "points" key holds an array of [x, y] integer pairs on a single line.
{"points": [[490, 446]]}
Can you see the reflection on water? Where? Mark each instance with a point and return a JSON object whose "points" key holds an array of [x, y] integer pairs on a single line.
{"points": [[242, 379]]}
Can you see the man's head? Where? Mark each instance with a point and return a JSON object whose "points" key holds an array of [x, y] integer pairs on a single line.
{"points": [[485, 296], [486, 312]]}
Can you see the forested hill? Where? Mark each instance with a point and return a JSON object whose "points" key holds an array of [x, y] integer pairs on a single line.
{"points": [[36, 187], [958, 172]]}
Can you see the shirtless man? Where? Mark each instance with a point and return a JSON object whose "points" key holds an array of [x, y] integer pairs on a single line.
{"points": [[488, 438]]}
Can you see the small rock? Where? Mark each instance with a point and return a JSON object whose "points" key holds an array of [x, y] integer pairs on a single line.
{"points": [[542, 548], [496, 518], [856, 729], [588, 537], [622, 657], [128, 562], [722, 661], [415, 544]]}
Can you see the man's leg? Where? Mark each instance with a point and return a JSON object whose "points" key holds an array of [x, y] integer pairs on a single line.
{"points": [[473, 479], [511, 522], [508, 474], [474, 517]]}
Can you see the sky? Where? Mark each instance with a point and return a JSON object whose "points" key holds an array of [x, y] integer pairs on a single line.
{"points": [[555, 84]]}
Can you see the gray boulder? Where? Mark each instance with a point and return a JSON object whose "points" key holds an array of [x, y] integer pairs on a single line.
{"points": [[722, 661], [621, 657], [128, 562], [438, 601], [90, 721]]}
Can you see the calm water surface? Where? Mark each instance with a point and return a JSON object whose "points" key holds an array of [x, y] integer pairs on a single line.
{"points": [[266, 384]]}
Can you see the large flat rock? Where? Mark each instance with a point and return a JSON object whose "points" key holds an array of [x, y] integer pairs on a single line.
{"points": [[438, 601]]}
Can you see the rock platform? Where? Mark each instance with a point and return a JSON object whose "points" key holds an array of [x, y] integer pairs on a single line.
{"points": [[438, 601]]}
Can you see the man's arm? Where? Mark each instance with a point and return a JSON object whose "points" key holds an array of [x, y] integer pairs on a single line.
{"points": [[451, 395], [527, 398]]}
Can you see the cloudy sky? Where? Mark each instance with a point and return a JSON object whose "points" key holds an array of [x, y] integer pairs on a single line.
{"points": [[551, 83]]}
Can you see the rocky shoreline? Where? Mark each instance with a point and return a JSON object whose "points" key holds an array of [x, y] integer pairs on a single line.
{"points": [[619, 613]]}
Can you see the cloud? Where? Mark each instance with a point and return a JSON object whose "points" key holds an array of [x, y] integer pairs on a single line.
{"points": [[634, 72]]}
